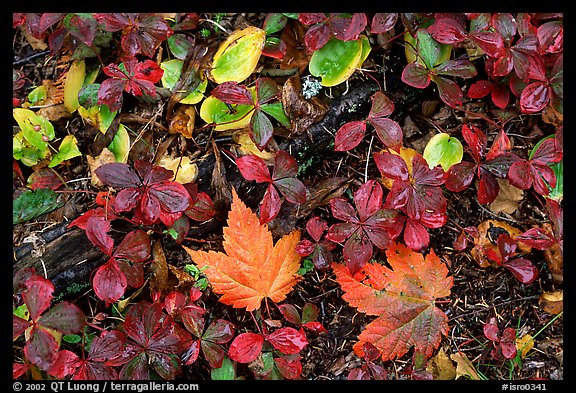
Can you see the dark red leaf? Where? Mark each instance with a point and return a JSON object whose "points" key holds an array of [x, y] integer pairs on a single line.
{"points": [[349, 135], [266, 90], [314, 326], [193, 319], [290, 369], [422, 174], [480, 89], [491, 330], [368, 199], [534, 97], [270, 205], [262, 128], [290, 312], [416, 236], [316, 37], [488, 187], [536, 238], [214, 353], [316, 227], [233, 93], [246, 347], [37, 296], [192, 353], [416, 75], [64, 317], [391, 166], [476, 140], [339, 232], [284, 165], [447, 31], [462, 68], [135, 247], [347, 29], [134, 273], [491, 42], [127, 199], [520, 175], [357, 251], [97, 229], [19, 325], [118, 175], [460, 176], [219, 332], [449, 91], [174, 302], [254, 168], [171, 196], [551, 37], [383, 22], [305, 247], [287, 340], [95, 371], [202, 208], [523, 269], [293, 189], [65, 364], [107, 346], [311, 18], [41, 349], [109, 282], [388, 131], [342, 210]]}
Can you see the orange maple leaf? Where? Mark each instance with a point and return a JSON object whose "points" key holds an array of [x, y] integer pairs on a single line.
{"points": [[403, 298], [253, 268]]}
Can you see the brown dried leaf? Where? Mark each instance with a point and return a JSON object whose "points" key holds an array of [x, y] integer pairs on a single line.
{"points": [[296, 56], [159, 268], [508, 198], [301, 112], [552, 302], [554, 258], [105, 157], [182, 122]]}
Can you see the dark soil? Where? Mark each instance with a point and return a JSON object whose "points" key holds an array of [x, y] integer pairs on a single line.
{"points": [[478, 293]]}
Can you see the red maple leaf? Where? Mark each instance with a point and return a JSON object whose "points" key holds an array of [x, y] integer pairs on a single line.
{"points": [[365, 226], [147, 190], [132, 76], [282, 180], [403, 299]]}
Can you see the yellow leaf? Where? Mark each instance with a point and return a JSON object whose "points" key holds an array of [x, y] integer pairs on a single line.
{"points": [[252, 267], [464, 367], [524, 344], [185, 171], [441, 367], [74, 81]]}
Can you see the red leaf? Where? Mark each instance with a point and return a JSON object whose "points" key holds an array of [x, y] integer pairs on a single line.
{"points": [[293, 189], [449, 91], [246, 347], [316, 37], [347, 29], [266, 90], [97, 229], [491, 330], [134, 273], [290, 369], [109, 282], [391, 166], [171, 195], [537, 238], [462, 68], [447, 31], [349, 135], [135, 247], [368, 199], [174, 302], [383, 22], [270, 205], [290, 312], [488, 187], [287, 340], [416, 236], [118, 175], [480, 89], [254, 168], [202, 208], [416, 75], [551, 37], [524, 270], [315, 326], [491, 42], [219, 332], [42, 349], [316, 227], [388, 131], [37, 296], [65, 364], [107, 346], [233, 93], [19, 325], [193, 319], [357, 251], [64, 317], [214, 353], [534, 97], [284, 165]]}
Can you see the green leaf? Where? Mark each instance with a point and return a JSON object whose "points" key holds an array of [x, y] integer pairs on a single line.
{"points": [[172, 70], [274, 23], [68, 149], [215, 111], [428, 48], [22, 312], [38, 94], [225, 373], [557, 193], [88, 95], [120, 145], [27, 120], [276, 110], [179, 45], [336, 61], [72, 338], [33, 203], [444, 150]]}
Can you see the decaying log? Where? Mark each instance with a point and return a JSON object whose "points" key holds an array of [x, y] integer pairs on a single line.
{"points": [[69, 256]]}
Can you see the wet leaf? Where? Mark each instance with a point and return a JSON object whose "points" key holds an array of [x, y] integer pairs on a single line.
{"points": [[444, 150], [508, 198], [552, 302], [246, 347], [268, 270], [238, 56], [301, 112], [33, 203], [464, 367], [74, 82], [403, 298], [67, 150]]}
